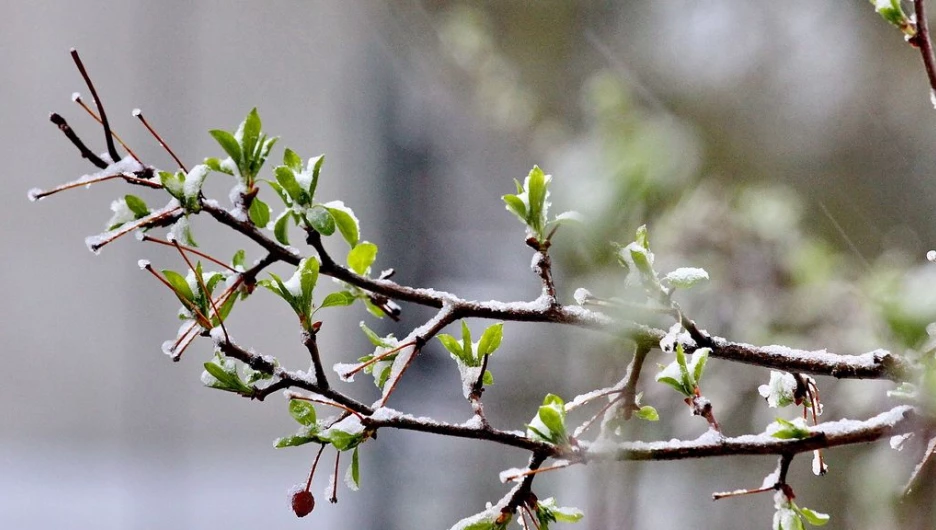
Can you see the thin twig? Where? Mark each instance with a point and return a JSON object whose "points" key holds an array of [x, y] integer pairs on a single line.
{"points": [[69, 133], [111, 149], [76, 97], [139, 114], [314, 465], [150, 239], [311, 344], [922, 41], [201, 283]]}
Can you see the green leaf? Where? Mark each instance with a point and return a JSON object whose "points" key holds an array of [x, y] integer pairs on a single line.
{"points": [[491, 339], [136, 205], [384, 375], [677, 374], [642, 238], [467, 348], [340, 298], [536, 188], [344, 441], [250, 130], [641, 259], [345, 220], [516, 206], [452, 346], [353, 476], [699, 358], [812, 517], [228, 143], [252, 376], [225, 372], [488, 378], [259, 213], [375, 311], [648, 413], [293, 441], [362, 256], [292, 160], [238, 259], [315, 165], [281, 227], [549, 422], [279, 288], [374, 338], [287, 179], [173, 183], [266, 145], [287, 201], [302, 411], [684, 372], [214, 164], [321, 220], [307, 280], [547, 511], [180, 286], [551, 418], [786, 430]]}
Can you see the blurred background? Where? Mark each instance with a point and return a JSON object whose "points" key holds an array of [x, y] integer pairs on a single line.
{"points": [[785, 147]]}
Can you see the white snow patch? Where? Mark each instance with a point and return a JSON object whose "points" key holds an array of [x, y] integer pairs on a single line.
{"points": [[476, 422], [897, 442], [512, 474], [385, 414], [331, 486], [217, 334], [581, 295], [294, 283], [344, 371], [780, 389], [194, 180]]}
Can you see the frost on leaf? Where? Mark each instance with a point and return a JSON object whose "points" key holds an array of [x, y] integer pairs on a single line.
{"points": [[780, 391], [686, 277]]}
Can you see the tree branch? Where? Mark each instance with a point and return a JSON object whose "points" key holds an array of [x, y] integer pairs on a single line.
{"points": [[898, 420], [922, 41]]}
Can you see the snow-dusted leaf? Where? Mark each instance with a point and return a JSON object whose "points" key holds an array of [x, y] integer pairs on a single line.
{"points": [[787, 430], [780, 391], [686, 277], [345, 220], [321, 220], [302, 411], [812, 517], [353, 475]]}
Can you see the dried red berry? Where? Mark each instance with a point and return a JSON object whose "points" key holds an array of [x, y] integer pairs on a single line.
{"points": [[302, 503]]}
